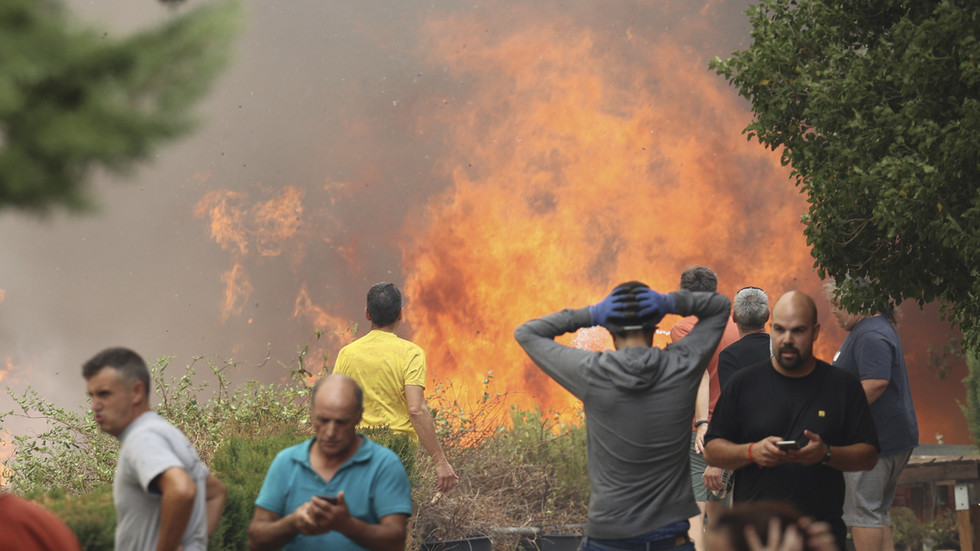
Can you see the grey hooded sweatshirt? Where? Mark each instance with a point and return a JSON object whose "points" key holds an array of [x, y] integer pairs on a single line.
{"points": [[638, 403]]}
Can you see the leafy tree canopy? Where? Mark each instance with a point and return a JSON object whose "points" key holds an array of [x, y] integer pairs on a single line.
{"points": [[876, 107], [73, 99]]}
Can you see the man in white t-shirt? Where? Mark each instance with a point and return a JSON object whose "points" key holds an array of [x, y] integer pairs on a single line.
{"points": [[165, 497]]}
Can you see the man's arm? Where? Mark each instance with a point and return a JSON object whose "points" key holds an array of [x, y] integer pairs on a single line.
{"points": [[388, 535], [566, 365], [177, 491], [215, 497], [874, 356], [701, 411], [874, 388], [270, 530], [726, 454], [712, 311], [853, 457], [425, 428]]}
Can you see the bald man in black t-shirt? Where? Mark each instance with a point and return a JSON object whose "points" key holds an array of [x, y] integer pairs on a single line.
{"points": [[793, 397]]}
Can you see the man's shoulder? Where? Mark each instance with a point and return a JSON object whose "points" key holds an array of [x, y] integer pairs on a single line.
{"points": [[748, 343], [376, 451], [379, 456], [748, 374], [291, 456], [873, 327], [152, 424], [835, 374], [381, 338]]}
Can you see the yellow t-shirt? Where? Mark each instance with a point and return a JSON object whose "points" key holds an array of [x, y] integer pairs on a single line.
{"points": [[383, 364]]}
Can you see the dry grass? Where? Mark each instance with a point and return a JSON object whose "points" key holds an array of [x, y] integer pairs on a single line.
{"points": [[528, 473]]}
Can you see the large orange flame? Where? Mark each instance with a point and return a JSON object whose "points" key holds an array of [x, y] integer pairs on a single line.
{"points": [[573, 175], [577, 155]]}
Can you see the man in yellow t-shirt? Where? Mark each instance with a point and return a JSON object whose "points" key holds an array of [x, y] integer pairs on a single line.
{"points": [[391, 371]]}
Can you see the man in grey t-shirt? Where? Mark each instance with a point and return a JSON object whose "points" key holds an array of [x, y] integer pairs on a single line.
{"points": [[638, 403], [165, 497]]}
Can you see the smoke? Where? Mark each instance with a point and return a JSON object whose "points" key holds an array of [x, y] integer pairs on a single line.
{"points": [[498, 161]]}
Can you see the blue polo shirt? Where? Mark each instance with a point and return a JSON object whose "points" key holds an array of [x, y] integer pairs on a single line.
{"points": [[373, 481]]}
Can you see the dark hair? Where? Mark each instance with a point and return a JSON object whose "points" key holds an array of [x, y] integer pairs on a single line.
{"points": [[750, 309], [699, 278], [626, 319], [756, 514], [129, 364], [384, 303]]}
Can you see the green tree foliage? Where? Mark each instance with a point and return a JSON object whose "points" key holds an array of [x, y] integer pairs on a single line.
{"points": [[73, 99], [876, 108]]}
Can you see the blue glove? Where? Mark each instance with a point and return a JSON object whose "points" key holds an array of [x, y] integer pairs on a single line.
{"points": [[600, 312], [653, 304]]}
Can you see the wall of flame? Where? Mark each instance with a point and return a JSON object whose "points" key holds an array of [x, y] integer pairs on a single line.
{"points": [[498, 161]]}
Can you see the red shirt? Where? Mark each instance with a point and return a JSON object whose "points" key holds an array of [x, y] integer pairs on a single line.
{"points": [[682, 328], [27, 526]]}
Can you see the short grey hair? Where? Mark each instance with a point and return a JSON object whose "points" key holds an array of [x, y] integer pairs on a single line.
{"points": [[750, 309]]}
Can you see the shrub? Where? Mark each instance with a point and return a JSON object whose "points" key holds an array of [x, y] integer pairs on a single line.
{"points": [[91, 516], [530, 472], [911, 534], [70, 454]]}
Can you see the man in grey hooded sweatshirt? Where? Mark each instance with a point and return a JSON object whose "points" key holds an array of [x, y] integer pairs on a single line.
{"points": [[638, 403]]}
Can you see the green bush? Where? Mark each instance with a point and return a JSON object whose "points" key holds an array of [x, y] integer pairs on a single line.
{"points": [[532, 473], [91, 516], [241, 463], [911, 534]]}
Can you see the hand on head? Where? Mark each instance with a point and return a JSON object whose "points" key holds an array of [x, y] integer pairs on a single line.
{"points": [[602, 311], [653, 304]]}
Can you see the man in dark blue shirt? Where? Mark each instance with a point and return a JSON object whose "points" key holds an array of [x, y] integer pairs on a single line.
{"points": [[873, 353]]}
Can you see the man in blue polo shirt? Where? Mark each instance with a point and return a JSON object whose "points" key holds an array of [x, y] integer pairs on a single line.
{"points": [[338, 490]]}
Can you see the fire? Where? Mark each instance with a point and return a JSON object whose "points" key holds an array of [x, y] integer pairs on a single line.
{"points": [[267, 226], [574, 173], [338, 331], [575, 155]]}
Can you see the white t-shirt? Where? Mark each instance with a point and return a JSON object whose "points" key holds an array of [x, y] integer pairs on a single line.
{"points": [[150, 446]]}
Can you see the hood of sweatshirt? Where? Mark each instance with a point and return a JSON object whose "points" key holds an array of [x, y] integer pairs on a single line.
{"points": [[633, 368]]}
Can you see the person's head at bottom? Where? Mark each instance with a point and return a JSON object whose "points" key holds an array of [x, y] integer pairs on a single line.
{"points": [[768, 526]]}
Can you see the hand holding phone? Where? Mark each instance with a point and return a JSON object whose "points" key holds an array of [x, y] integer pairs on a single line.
{"points": [[788, 445], [329, 499]]}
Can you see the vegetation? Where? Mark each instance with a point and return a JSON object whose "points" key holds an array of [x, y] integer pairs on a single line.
{"points": [[74, 99], [531, 472], [912, 534], [876, 107]]}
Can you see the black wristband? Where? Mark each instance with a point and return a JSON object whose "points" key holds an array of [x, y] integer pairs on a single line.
{"points": [[700, 422], [826, 456]]}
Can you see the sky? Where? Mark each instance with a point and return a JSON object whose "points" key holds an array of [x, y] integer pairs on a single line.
{"points": [[497, 160]]}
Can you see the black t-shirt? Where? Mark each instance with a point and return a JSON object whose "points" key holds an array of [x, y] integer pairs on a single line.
{"points": [[747, 351], [759, 402]]}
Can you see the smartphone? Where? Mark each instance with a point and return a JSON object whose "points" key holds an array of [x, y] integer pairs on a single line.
{"points": [[329, 499], [788, 445]]}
